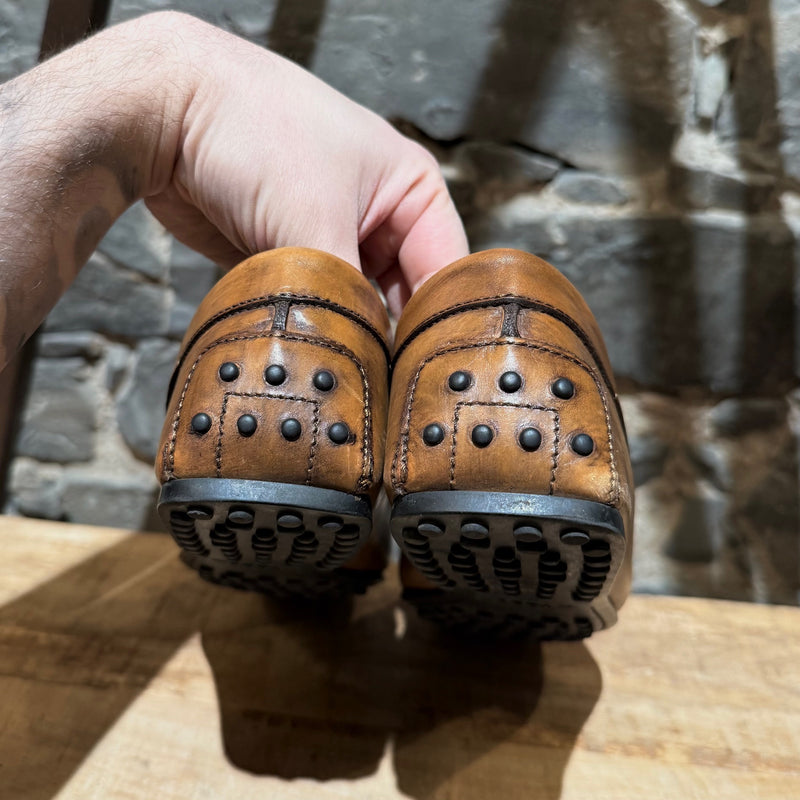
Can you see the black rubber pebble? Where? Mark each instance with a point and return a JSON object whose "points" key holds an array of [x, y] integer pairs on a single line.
{"points": [[287, 519], [459, 381], [431, 527], [247, 424], [530, 439], [433, 434], [201, 423], [563, 388], [199, 512], [583, 444], [291, 429], [474, 530], [240, 516], [510, 382], [274, 374], [338, 433], [482, 435], [228, 372], [324, 380], [575, 537], [527, 533]]}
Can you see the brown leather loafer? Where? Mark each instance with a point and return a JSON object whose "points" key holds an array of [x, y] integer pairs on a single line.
{"points": [[507, 463], [272, 448]]}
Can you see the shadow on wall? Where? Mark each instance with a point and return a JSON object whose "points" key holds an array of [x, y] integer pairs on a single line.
{"points": [[457, 711], [302, 693]]}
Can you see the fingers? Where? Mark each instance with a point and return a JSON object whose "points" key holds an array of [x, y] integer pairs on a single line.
{"points": [[436, 238], [416, 230], [190, 226]]}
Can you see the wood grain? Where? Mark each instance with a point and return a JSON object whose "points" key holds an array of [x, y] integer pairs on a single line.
{"points": [[123, 675]]}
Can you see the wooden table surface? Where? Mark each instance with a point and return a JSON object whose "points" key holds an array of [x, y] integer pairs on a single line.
{"points": [[123, 675]]}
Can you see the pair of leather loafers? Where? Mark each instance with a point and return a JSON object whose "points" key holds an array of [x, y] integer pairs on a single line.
{"points": [[501, 444]]}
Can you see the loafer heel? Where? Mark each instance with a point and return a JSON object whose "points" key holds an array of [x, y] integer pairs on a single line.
{"points": [[272, 447], [508, 467], [277, 538], [512, 563]]}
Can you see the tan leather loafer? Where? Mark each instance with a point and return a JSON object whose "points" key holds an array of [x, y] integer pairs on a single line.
{"points": [[272, 447], [507, 464]]}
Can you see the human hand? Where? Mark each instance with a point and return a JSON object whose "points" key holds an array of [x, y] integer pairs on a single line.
{"points": [[271, 156]]}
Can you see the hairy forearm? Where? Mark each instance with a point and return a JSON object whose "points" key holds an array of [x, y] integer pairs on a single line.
{"points": [[82, 137]]}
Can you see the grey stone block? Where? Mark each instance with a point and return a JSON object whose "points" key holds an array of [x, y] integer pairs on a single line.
{"points": [[180, 317], [112, 300], [137, 240], [140, 411], [785, 38], [711, 83], [36, 489], [81, 344], [191, 277], [490, 161], [249, 18], [589, 189], [571, 80], [21, 27], [117, 364], [59, 418], [120, 502]]}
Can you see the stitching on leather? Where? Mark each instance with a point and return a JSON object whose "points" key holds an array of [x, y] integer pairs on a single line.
{"points": [[312, 454], [218, 449], [497, 404], [496, 300], [367, 460], [556, 434], [399, 471], [452, 482], [269, 396], [268, 299]]}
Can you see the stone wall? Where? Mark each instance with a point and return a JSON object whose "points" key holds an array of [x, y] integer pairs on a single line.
{"points": [[648, 148]]}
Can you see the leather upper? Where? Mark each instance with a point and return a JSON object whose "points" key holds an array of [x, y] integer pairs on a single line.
{"points": [[287, 358]]}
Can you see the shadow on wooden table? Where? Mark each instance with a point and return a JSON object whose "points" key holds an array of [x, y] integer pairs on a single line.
{"points": [[318, 695], [303, 692], [76, 651]]}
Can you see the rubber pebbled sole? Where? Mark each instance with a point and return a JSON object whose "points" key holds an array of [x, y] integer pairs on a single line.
{"points": [[512, 564], [282, 539]]}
